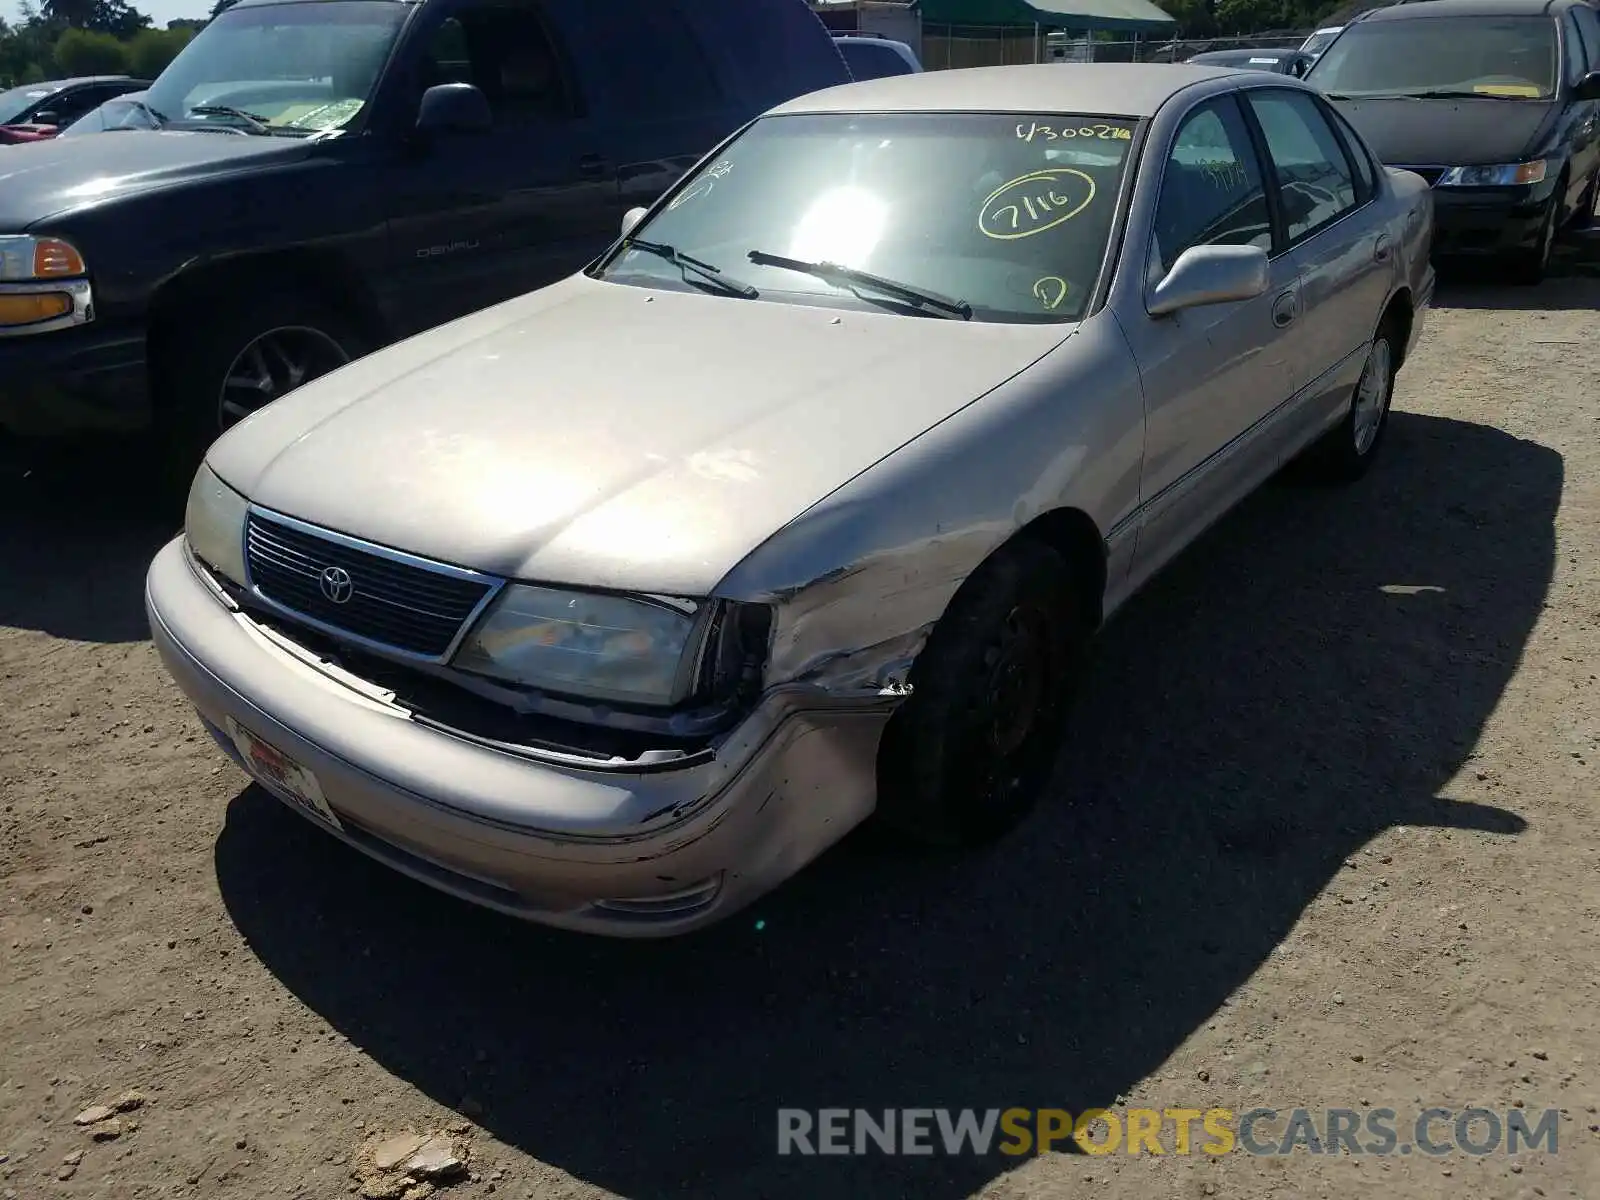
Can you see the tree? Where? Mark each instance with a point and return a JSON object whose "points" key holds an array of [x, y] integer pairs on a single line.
{"points": [[88, 52], [152, 49], [116, 17]]}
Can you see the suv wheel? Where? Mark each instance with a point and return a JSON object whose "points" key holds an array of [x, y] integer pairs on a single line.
{"points": [[238, 362]]}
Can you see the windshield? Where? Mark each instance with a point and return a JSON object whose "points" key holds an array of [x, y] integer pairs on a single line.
{"points": [[19, 100], [1482, 56], [1007, 213], [294, 69]]}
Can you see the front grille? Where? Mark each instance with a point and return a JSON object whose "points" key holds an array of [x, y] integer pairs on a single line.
{"points": [[1430, 174], [410, 608]]}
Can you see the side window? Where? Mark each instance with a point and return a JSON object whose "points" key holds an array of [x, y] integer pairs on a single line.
{"points": [[1366, 171], [1577, 64], [1211, 189], [506, 52], [659, 68], [1589, 26], [68, 106], [1314, 177]]}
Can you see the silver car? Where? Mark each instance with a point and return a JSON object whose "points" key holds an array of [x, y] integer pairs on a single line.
{"points": [[614, 605]]}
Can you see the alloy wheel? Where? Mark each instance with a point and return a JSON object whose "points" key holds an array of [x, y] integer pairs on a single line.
{"points": [[1372, 395], [273, 365]]}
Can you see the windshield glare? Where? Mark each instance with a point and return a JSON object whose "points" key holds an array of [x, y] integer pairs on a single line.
{"points": [[1008, 213], [19, 100], [300, 68], [1486, 56]]}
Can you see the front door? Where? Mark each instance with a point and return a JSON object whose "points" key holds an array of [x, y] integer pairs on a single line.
{"points": [[478, 218], [1211, 374]]}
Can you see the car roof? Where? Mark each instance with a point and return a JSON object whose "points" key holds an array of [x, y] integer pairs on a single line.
{"points": [[1464, 8], [1121, 89]]}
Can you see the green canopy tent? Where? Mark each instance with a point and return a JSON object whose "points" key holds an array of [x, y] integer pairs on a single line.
{"points": [[1012, 21]]}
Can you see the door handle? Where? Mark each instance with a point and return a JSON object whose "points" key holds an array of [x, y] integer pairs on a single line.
{"points": [[591, 164], [1382, 248], [1283, 310]]}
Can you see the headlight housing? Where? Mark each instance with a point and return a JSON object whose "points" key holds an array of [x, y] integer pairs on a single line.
{"points": [[42, 285], [1498, 175], [623, 649], [214, 524]]}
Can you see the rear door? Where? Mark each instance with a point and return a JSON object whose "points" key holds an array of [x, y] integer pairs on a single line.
{"points": [[478, 218], [1339, 243], [659, 100]]}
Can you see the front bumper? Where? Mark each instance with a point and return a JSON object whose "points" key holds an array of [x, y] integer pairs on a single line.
{"points": [[628, 853], [1488, 221], [89, 379]]}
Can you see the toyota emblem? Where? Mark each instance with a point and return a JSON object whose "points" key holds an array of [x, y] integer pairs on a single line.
{"points": [[337, 585]]}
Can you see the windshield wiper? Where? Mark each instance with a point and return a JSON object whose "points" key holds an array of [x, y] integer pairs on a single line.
{"points": [[1461, 94], [687, 264], [257, 124], [852, 280]]}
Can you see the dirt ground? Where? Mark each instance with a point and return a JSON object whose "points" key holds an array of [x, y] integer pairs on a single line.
{"points": [[1333, 845]]}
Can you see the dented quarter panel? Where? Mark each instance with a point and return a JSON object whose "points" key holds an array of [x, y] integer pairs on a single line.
{"points": [[859, 579]]}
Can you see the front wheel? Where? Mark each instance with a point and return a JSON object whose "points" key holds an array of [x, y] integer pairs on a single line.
{"points": [[1530, 266], [973, 749], [240, 361]]}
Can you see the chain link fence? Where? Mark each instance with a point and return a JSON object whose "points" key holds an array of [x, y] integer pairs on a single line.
{"points": [[950, 46]]}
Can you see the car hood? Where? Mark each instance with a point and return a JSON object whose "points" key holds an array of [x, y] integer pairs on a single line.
{"points": [[40, 179], [1447, 133], [610, 436]]}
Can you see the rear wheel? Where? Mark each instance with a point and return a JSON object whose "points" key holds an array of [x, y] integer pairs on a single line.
{"points": [[1346, 452], [972, 751]]}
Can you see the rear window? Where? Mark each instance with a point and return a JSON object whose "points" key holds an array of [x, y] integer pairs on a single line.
{"points": [[1510, 57], [869, 61]]}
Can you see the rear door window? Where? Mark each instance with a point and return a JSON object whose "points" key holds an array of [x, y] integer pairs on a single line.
{"points": [[1314, 177], [658, 69]]}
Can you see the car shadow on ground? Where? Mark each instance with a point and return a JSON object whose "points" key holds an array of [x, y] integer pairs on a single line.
{"points": [[79, 525], [1313, 673]]}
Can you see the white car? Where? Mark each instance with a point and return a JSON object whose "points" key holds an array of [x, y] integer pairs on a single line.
{"points": [[1320, 41]]}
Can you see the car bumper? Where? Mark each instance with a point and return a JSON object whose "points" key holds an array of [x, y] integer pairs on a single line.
{"points": [[626, 853], [90, 379], [1485, 222]]}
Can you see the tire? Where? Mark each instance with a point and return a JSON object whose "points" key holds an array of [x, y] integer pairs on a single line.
{"points": [[972, 751], [277, 342], [1347, 451], [1529, 267], [1585, 215]]}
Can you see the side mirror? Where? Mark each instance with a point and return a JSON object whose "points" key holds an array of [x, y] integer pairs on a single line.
{"points": [[1588, 87], [454, 108], [1210, 275], [45, 117], [631, 218]]}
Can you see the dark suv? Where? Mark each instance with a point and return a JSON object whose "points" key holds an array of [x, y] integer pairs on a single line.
{"points": [[1496, 103], [331, 175]]}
